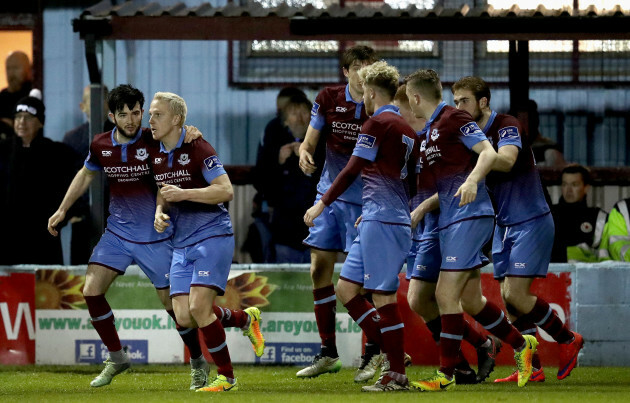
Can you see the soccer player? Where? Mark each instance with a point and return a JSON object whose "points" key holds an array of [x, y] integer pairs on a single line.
{"points": [[381, 153], [129, 236], [337, 117], [449, 150], [424, 259], [524, 234], [194, 186]]}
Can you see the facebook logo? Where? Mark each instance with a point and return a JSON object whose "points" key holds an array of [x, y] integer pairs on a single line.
{"points": [[87, 351], [94, 351]]}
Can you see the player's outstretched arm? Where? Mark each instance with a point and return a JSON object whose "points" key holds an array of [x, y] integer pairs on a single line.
{"points": [[307, 148], [506, 158], [79, 185], [219, 191]]}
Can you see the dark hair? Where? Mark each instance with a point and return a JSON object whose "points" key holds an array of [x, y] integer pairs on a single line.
{"points": [[123, 95], [360, 52], [427, 82], [476, 85], [578, 169], [289, 92], [299, 100]]}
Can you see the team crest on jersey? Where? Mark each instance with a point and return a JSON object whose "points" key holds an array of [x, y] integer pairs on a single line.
{"points": [[470, 128], [212, 162], [315, 109], [341, 109], [509, 132], [141, 154], [157, 161], [183, 159], [423, 145], [434, 134], [366, 141], [106, 153], [586, 227]]}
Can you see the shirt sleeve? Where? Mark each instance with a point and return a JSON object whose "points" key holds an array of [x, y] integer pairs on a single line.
{"points": [[91, 161], [345, 178], [509, 134], [318, 120], [212, 166], [367, 144]]}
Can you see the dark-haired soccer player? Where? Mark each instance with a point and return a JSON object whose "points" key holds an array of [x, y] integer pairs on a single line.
{"points": [[194, 186], [424, 261], [524, 234], [129, 237], [382, 151], [337, 117], [452, 140]]}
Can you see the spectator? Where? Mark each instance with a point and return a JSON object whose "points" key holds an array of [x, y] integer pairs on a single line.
{"points": [[34, 171], [578, 227], [79, 137], [289, 191], [259, 242], [615, 243], [19, 76], [79, 140], [547, 152]]}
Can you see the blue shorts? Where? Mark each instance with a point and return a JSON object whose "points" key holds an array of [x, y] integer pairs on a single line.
{"points": [[377, 255], [117, 254], [205, 264], [461, 244], [334, 228], [523, 250], [424, 260]]}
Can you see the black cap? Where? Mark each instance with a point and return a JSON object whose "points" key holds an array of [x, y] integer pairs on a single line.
{"points": [[33, 106]]}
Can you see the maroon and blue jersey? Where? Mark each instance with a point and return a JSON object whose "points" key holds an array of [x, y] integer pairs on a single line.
{"points": [[339, 119], [191, 166], [447, 151], [388, 142], [427, 228], [132, 190], [518, 194]]}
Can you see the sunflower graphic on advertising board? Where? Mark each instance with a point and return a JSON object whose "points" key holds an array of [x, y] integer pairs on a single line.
{"points": [[248, 289], [59, 289]]}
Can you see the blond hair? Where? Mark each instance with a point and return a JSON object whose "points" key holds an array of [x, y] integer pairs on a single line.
{"points": [[381, 75], [176, 104]]}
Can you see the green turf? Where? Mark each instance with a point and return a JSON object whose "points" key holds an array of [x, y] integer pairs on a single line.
{"points": [[161, 383]]}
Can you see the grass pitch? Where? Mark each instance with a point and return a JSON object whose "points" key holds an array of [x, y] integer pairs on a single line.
{"points": [[169, 383]]}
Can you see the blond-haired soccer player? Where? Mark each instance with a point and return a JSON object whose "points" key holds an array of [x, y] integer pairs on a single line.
{"points": [[381, 154], [194, 188]]}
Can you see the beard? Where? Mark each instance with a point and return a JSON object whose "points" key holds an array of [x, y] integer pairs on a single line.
{"points": [[124, 132]]}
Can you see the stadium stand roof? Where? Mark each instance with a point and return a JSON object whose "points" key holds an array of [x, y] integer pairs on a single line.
{"points": [[135, 20]]}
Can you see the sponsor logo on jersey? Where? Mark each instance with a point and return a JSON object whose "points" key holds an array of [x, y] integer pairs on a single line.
{"points": [[366, 141], [509, 132], [423, 145], [341, 109], [204, 273], [518, 265], [141, 154], [106, 153], [586, 227], [315, 109], [470, 128], [348, 126], [434, 134], [158, 160], [212, 162], [183, 159], [451, 259]]}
